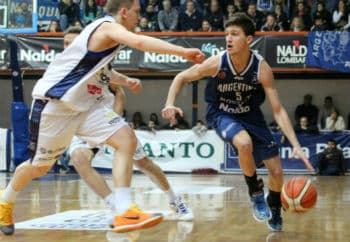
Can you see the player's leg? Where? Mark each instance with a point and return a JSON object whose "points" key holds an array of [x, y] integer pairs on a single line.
{"points": [[101, 125], [81, 159], [155, 173], [49, 138], [274, 196], [230, 129]]}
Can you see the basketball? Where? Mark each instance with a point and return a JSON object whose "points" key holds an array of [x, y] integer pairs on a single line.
{"points": [[298, 195]]}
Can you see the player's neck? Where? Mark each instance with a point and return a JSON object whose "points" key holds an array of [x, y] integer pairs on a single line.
{"points": [[240, 60]]}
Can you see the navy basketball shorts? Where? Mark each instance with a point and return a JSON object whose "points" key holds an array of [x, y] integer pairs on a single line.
{"points": [[264, 145]]}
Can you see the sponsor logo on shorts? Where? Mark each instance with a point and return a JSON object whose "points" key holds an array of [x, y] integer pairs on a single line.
{"points": [[93, 89], [115, 120]]}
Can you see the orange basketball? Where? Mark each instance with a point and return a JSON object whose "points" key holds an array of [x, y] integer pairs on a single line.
{"points": [[298, 195]]}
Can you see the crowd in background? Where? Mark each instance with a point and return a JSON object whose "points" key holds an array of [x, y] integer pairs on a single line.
{"points": [[211, 15]]}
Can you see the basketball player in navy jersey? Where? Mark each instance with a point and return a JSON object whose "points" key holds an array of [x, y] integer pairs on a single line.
{"points": [[69, 100], [239, 80], [81, 155]]}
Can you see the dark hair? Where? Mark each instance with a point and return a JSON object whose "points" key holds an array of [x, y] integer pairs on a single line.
{"points": [[113, 6], [332, 141], [73, 30], [244, 21]]}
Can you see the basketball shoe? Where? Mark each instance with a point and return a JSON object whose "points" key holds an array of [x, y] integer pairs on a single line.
{"points": [[276, 222], [181, 210], [135, 219], [6, 218], [261, 211]]}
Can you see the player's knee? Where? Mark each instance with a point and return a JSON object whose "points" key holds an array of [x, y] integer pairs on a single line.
{"points": [[124, 138], [276, 173], [143, 164], [39, 171], [245, 147], [81, 157]]}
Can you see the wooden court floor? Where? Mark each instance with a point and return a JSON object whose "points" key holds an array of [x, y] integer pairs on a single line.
{"points": [[219, 202]]}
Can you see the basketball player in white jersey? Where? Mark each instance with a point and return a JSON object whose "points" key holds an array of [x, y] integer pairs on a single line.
{"points": [[81, 154], [68, 100]]}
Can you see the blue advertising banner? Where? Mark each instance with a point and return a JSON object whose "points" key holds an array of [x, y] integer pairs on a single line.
{"points": [[329, 50], [312, 145]]}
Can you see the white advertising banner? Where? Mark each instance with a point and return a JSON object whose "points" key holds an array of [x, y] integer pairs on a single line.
{"points": [[176, 151]]}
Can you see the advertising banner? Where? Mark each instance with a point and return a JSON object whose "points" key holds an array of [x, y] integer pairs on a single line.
{"points": [[329, 50], [312, 145], [180, 151], [285, 51]]}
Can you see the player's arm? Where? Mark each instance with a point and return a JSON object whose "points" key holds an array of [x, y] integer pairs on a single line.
{"points": [[121, 35], [120, 79], [280, 114], [208, 68], [119, 99]]}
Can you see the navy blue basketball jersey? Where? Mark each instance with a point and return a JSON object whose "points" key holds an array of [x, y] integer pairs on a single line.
{"points": [[234, 93]]}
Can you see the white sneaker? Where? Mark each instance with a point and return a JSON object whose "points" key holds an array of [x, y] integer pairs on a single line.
{"points": [[181, 210]]}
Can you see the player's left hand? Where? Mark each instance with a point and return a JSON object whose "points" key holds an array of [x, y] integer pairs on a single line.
{"points": [[297, 152], [134, 85], [194, 55]]}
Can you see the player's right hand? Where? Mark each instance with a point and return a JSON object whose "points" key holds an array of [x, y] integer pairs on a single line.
{"points": [[169, 112], [298, 152], [194, 55]]}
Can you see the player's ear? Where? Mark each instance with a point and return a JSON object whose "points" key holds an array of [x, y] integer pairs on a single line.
{"points": [[123, 12], [250, 39]]}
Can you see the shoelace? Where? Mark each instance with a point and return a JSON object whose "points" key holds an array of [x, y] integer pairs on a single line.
{"points": [[181, 206], [6, 215]]}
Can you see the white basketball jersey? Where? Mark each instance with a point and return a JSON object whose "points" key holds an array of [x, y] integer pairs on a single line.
{"points": [[79, 77]]}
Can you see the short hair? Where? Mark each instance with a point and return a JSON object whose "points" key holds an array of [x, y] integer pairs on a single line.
{"points": [[332, 140], [73, 30], [244, 21], [113, 6]]}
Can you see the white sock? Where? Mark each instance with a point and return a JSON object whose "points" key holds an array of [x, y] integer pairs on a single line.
{"points": [[109, 200], [122, 199], [9, 195], [171, 195]]}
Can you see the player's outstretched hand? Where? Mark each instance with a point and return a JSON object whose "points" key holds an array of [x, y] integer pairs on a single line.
{"points": [[194, 55], [134, 85], [297, 152], [169, 112]]}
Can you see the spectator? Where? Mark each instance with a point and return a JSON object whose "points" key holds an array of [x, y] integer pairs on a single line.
{"points": [[319, 24], [240, 5], [326, 110], [27, 14], [90, 11], [230, 11], [168, 17], [154, 117], [69, 13], [341, 16], [17, 19], [215, 16], [297, 24], [257, 16], [54, 26], [271, 24], [100, 5], [137, 121], [199, 129], [265, 6], [152, 127], [308, 110], [281, 16], [335, 122], [303, 127], [323, 14], [152, 17], [143, 25], [206, 27], [191, 19], [303, 12], [331, 161], [181, 123]]}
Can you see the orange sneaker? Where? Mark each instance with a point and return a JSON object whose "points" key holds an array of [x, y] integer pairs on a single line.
{"points": [[6, 218], [135, 219]]}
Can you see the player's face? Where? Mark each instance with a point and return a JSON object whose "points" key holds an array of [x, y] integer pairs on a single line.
{"points": [[236, 40], [68, 39], [132, 16]]}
